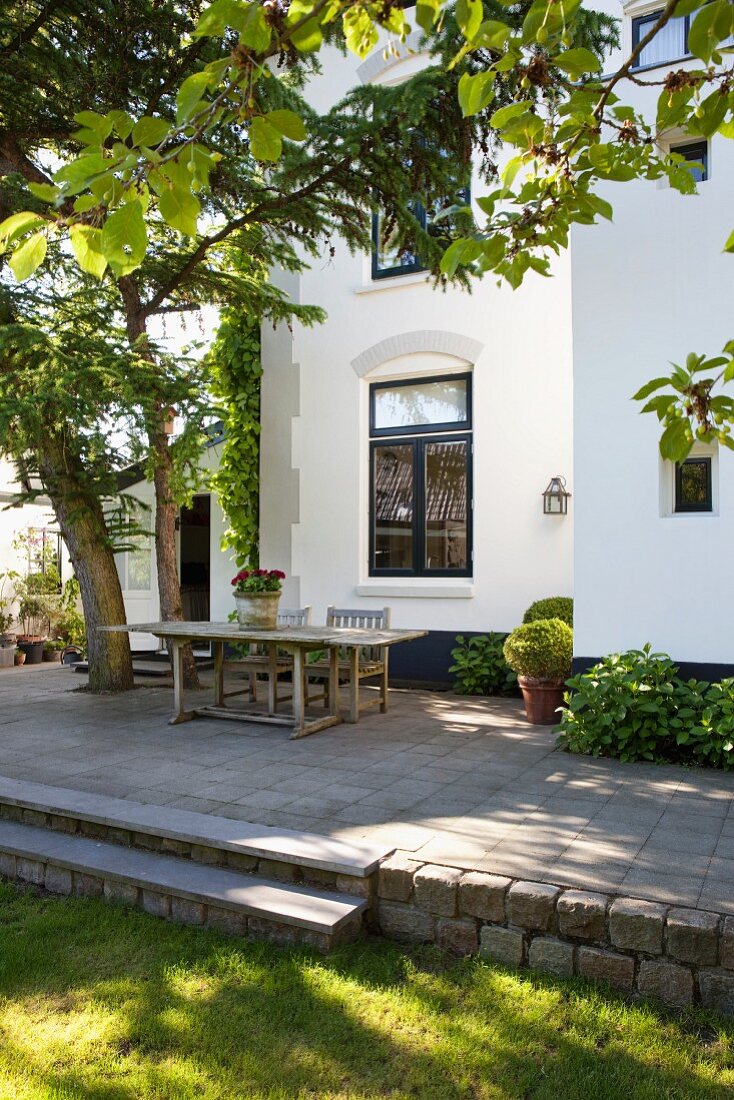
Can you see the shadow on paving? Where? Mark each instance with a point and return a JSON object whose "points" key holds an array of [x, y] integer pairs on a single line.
{"points": [[150, 1010]]}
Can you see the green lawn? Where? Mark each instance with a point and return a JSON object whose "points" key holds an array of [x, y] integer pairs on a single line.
{"points": [[104, 1003]]}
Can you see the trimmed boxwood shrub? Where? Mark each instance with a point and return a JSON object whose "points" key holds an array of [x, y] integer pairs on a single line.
{"points": [[541, 650], [480, 667], [554, 607], [634, 706]]}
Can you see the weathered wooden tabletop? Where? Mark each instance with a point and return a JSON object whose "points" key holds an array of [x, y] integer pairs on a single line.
{"points": [[283, 635]]}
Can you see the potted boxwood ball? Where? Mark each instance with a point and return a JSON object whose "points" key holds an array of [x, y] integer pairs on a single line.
{"points": [[540, 653]]}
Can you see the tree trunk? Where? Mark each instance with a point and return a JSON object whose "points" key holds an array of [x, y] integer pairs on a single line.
{"points": [[169, 586], [84, 530], [166, 509]]}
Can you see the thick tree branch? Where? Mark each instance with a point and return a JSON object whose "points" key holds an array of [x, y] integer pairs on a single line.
{"points": [[24, 36]]}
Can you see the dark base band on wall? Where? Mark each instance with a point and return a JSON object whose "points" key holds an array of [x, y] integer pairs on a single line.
{"points": [[426, 661], [688, 670]]}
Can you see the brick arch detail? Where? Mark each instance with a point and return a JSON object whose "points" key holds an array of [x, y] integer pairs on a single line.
{"points": [[408, 343]]}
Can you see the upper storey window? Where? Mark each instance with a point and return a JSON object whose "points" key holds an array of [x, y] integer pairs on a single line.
{"points": [[669, 44]]}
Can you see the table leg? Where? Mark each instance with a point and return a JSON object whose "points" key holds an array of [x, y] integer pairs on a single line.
{"points": [[179, 713], [299, 703], [273, 679], [353, 684], [332, 688], [218, 674]]}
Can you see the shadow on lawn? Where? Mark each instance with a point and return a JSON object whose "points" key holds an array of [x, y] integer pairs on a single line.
{"points": [[198, 1015]]}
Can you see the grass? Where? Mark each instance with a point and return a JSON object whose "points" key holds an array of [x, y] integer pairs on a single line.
{"points": [[105, 1003]]}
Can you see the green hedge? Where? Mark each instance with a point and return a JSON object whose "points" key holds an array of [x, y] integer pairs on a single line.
{"points": [[635, 706], [542, 650], [554, 607]]}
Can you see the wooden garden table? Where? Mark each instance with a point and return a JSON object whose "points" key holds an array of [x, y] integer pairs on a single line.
{"points": [[296, 640]]}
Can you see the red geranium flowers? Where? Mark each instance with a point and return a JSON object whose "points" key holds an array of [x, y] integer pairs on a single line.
{"points": [[258, 580]]}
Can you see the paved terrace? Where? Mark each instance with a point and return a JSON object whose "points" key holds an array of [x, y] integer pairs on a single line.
{"points": [[461, 781]]}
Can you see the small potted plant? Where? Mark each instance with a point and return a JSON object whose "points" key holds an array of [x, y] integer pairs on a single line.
{"points": [[19, 656], [257, 594], [53, 649], [540, 653]]}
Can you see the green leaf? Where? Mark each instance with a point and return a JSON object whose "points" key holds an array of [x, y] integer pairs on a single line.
{"points": [[475, 92], [712, 24], [308, 37], [180, 209], [460, 252], [149, 131], [359, 31], [122, 123], [86, 243], [254, 29], [217, 17], [189, 95], [729, 246], [124, 238], [265, 141], [28, 256], [650, 387], [288, 124], [578, 61], [676, 441], [98, 125], [16, 225], [504, 115], [426, 13], [45, 191], [469, 14]]}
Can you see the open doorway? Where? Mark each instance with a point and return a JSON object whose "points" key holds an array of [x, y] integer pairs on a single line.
{"points": [[195, 559]]}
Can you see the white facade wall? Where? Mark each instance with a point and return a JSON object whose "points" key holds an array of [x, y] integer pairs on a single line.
{"points": [[315, 453], [648, 289]]}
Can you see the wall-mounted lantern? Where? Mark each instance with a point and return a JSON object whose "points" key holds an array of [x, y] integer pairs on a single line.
{"points": [[555, 497]]}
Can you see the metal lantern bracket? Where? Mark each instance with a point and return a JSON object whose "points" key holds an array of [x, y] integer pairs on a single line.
{"points": [[555, 497]]}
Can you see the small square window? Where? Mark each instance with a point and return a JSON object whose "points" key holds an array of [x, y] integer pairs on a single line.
{"points": [[693, 485], [697, 152]]}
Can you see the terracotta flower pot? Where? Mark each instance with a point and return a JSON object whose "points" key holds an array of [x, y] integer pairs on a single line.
{"points": [[19, 657], [257, 610], [542, 699]]}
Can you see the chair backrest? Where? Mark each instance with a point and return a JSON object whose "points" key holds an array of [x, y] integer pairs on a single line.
{"points": [[359, 618], [294, 616]]}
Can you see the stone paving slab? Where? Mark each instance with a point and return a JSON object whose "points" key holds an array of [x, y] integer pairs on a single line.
{"points": [[460, 781], [357, 858], [302, 907]]}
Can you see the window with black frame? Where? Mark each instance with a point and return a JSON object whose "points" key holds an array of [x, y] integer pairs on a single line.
{"points": [[669, 44], [420, 477], [389, 257], [697, 155], [694, 485]]}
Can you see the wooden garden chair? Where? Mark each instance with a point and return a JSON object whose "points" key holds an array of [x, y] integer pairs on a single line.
{"points": [[270, 662], [355, 663]]}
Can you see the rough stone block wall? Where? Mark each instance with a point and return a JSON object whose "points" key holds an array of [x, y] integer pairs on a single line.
{"points": [[675, 955]]}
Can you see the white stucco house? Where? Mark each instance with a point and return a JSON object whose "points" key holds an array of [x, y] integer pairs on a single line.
{"points": [[406, 443]]}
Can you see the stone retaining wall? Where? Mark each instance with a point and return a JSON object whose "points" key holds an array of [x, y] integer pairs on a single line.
{"points": [[163, 903], [675, 955]]}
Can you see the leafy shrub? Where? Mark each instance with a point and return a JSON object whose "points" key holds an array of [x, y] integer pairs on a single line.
{"points": [[480, 667], [541, 650], [554, 607], [631, 705], [711, 740]]}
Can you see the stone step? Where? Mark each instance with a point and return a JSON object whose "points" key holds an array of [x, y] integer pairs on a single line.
{"points": [[199, 836], [181, 889]]}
